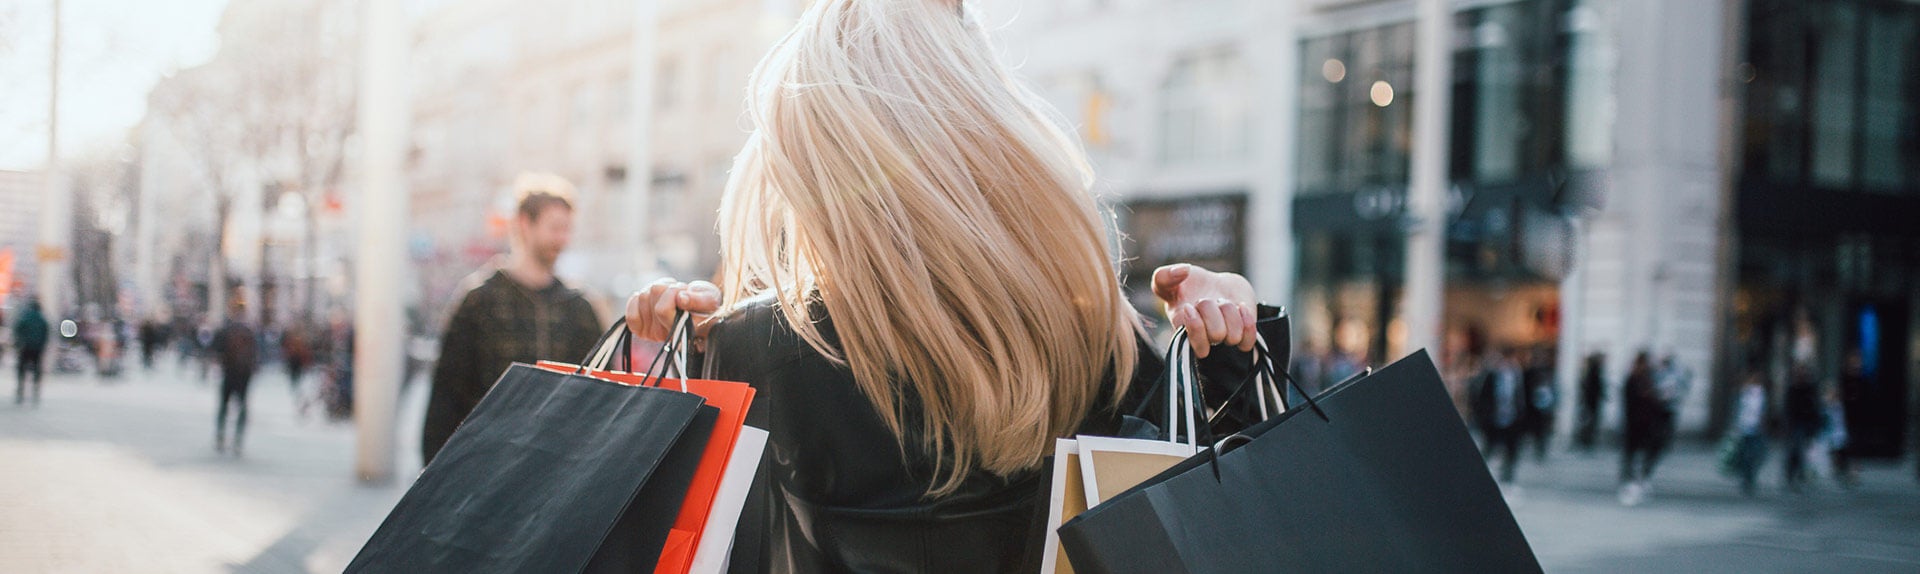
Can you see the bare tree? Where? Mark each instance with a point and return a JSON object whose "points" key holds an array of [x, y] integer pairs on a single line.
{"points": [[279, 100]]}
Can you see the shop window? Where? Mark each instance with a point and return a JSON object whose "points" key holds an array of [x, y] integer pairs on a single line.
{"points": [[1203, 108], [1887, 142], [1831, 100], [1589, 71], [1834, 81], [1356, 110]]}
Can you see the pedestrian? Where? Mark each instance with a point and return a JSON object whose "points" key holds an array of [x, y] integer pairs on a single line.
{"points": [[297, 352], [1825, 450], [516, 312], [30, 335], [1543, 397], [151, 338], [1644, 426], [918, 283], [1673, 382], [203, 336], [1801, 408], [1853, 391], [1500, 406], [1592, 393], [237, 347], [1749, 426], [336, 390]]}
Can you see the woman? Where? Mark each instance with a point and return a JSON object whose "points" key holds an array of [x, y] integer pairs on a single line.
{"points": [[920, 286]]}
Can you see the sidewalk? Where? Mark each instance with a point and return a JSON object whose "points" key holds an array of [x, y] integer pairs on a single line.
{"points": [[1697, 521], [120, 476]]}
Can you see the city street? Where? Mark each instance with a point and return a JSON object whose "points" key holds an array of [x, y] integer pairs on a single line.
{"points": [[121, 476]]}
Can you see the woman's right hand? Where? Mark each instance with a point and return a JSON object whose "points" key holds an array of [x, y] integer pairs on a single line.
{"points": [[650, 311]]}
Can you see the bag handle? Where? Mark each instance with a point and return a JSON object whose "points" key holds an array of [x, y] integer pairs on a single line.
{"points": [[1263, 368], [1179, 382], [619, 354], [614, 333], [676, 348]]}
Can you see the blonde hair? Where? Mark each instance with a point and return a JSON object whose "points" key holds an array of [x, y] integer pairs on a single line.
{"points": [[899, 177], [534, 192]]}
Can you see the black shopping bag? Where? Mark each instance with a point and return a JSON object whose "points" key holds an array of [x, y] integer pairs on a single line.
{"points": [[552, 472], [1381, 478]]}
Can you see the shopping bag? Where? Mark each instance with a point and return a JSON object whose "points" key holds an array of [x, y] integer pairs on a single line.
{"points": [[1377, 475], [715, 542], [731, 398], [552, 472], [1069, 499], [1091, 469]]}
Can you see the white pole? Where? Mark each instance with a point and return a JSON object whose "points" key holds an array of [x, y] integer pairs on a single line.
{"points": [[55, 225], [640, 136], [379, 270], [1427, 193]]}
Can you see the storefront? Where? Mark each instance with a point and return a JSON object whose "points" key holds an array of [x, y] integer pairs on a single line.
{"points": [[1828, 273], [1530, 146]]}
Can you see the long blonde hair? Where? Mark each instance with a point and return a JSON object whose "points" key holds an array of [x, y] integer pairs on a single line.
{"points": [[900, 177]]}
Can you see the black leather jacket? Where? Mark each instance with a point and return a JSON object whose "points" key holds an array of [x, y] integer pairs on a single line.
{"points": [[836, 491]]}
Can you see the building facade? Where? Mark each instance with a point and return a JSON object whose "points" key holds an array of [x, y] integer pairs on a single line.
{"points": [[1713, 181], [1827, 171], [1177, 106]]}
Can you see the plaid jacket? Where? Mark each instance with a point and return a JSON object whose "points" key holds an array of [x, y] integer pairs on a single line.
{"points": [[498, 323]]}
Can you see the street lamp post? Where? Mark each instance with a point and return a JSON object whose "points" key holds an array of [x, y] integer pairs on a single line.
{"points": [[640, 135], [1427, 193], [379, 331], [55, 225]]}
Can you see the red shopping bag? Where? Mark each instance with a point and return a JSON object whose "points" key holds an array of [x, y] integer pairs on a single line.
{"points": [[731, 398]]}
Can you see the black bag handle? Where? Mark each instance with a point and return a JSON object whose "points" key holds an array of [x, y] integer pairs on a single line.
{"points": [[676, 341], [1262, 363], [613, 333]]}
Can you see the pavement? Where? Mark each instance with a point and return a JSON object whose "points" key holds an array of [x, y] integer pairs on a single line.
{"points": [[120, 475]]}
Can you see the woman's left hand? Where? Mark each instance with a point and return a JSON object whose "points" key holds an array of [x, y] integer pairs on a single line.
{"points": [[1216, 308]]}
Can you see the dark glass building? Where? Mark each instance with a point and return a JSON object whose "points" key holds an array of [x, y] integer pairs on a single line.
{"points": [[1828, 205]]}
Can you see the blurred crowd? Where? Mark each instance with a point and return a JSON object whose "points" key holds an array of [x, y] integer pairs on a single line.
{"points": [[1509, 397], [317, 357]]}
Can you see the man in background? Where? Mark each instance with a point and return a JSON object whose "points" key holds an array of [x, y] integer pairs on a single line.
{"points": [[515, 311]]}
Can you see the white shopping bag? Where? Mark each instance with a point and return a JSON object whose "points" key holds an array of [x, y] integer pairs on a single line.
{"points": [[1068, 501], [716, 540]]}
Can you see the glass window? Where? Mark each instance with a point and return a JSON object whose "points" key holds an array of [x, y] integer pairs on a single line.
{"points": [[1531, 91], [1498, 78], [1886, 135], [583, 107], [1356, 110], [1203, 108], [1835, 78], [619, 98], [1775, 71], [1831, 97], [666, 79], [1590, 109], [1322, 73]]}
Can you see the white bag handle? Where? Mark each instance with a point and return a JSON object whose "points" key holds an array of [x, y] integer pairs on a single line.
{"points": [[1180, 388], [1181, 380]]}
